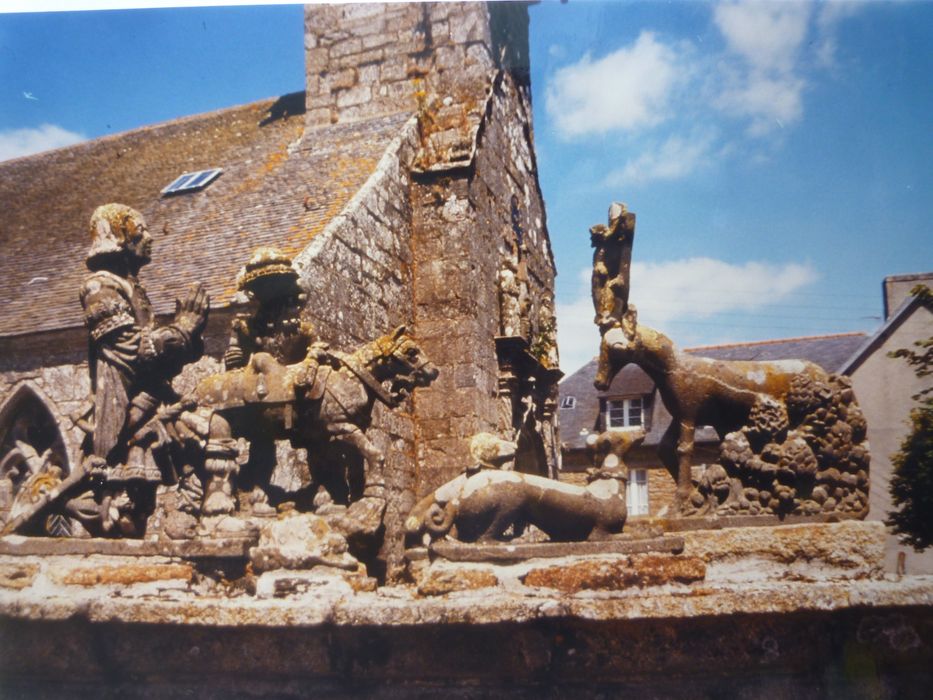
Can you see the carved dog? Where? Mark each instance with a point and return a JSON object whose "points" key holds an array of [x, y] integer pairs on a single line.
{"points": [[483, 503], [696, 391]]}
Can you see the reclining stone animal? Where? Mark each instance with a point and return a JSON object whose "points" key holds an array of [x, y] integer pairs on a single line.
{"points": [[482, 504]]}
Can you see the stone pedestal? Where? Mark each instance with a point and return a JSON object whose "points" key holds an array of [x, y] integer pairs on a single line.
{"points": [[791, 611]]}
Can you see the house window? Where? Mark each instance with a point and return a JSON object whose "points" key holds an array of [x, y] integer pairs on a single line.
{"points": [[624, 413], [568, 402], [636, 492], [190, 182]]}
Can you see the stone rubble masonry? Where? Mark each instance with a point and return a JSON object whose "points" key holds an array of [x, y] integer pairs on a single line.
{"points": [[358, 273], [363, 60]]}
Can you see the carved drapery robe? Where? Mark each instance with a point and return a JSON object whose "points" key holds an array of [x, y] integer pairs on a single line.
{"points": [[131, 361]]}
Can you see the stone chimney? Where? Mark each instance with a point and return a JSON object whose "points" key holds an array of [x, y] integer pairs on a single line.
{"points": [[896, 288], [368, 60]]}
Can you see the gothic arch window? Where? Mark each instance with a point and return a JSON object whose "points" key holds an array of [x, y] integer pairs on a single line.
{"points": [[28, 430]]}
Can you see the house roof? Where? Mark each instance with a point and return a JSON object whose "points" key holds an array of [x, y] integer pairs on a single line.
{"points": [[828, 351], [47, 200], [876, 340]]}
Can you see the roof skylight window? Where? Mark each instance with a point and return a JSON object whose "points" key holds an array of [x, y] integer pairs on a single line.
{"points": [[191, 182]]}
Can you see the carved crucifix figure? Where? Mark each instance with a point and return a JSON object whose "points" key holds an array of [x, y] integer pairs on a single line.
{"points": [[612, 258]]}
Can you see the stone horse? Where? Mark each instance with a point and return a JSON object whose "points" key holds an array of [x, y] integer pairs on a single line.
{"points": [[696, 391], [309, 403]]}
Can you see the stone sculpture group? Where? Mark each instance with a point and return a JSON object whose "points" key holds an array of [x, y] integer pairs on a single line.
{"points": [[279, 383], [157, 464]]}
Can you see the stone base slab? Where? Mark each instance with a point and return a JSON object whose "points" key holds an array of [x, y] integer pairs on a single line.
{"points": [[718, 522], [510, 553], [854, 651], [225, 548]]}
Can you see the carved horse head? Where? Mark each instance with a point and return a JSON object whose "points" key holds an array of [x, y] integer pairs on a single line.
{"points": [[398, 358]]}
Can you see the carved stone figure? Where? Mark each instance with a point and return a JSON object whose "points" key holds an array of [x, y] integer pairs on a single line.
{"points": [[544, 345], [791, 417], [608, 450], [485, 502], [514, 300], [275, 326], [309, 404], [612, 258], [132, 359]]}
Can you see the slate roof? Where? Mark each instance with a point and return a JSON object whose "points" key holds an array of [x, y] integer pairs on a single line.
{"points": [[281, 185], [828, 351], [871, 344]]}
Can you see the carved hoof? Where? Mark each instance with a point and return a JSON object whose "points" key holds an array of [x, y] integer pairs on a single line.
{"points": [[220, 502], [364, 517], [224, 526]]}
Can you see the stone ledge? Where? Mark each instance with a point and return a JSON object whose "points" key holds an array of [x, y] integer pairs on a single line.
{"points": [[866, 652], [504, 552], [401, 606], [721, 522], [235, 548]]}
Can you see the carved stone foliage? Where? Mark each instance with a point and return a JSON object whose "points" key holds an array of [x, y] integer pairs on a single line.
{"points": [[32, 457], [803, 456]]}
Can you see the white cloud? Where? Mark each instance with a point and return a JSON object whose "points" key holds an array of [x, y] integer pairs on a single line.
{"points": [[702, 287], [675, 290], [677, 157], [768, 101], [627, 89], [766, 84], [828, 16], [15, 143], [577, 335], [768, 35]]}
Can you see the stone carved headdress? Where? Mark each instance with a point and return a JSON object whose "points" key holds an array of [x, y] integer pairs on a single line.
{"points": [[268, 273], [112, 225]]}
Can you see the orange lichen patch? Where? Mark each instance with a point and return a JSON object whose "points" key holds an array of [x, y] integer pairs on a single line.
{"points": [[362, 583], [125, 575], [17, 576], [442, 582], [344, 176], [601, 574]]}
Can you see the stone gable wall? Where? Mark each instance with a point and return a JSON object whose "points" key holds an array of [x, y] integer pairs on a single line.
{"points": [[364, 60], [358, 273], [464, 228]]}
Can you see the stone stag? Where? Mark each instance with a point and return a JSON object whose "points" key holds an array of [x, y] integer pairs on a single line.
{"points": [[696, 391]]}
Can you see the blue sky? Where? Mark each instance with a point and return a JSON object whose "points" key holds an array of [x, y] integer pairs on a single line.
{"points": [[777, 155]]}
